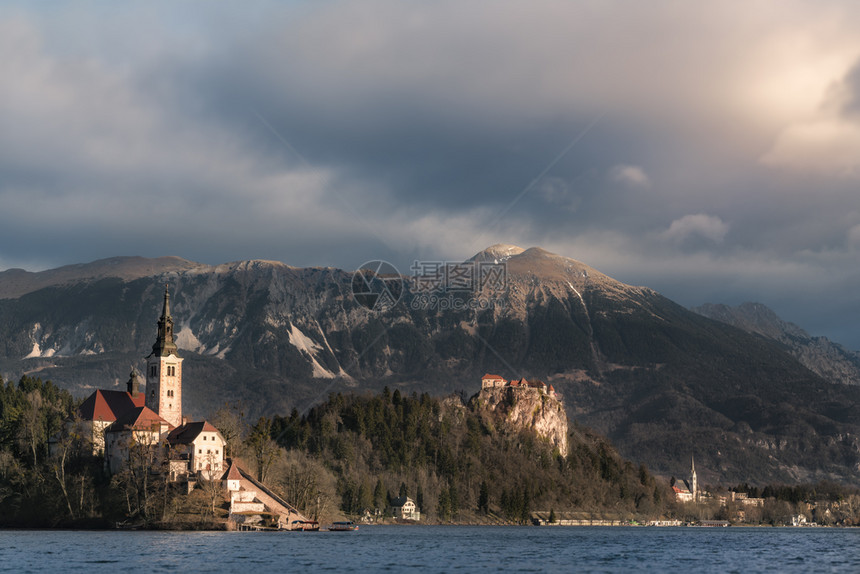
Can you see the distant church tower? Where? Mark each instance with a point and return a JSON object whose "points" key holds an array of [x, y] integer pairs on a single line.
{"points": [[164, 371], [694, 481]]}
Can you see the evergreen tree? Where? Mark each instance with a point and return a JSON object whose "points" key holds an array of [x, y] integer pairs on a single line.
{"points": [[453, 500], [378, 494], [525, 507], [484, 498], [443, 507], [419, 498]]}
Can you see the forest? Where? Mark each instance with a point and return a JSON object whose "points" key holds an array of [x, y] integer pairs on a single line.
{"points": [[348, 457]]}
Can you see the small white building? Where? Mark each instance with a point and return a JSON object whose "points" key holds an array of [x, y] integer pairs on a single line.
{"points": [[404, 507], [200, 446]]}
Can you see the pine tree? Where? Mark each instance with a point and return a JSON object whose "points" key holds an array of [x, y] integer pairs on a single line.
{"points": [[419, 499], [378, 494], [484, 498], [443, 508]]}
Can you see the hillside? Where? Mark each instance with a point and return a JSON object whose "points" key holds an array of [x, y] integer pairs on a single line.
{"points": [[827, 359], [660, 381]]}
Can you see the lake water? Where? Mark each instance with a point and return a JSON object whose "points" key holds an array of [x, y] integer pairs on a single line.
{"points": [[439, 549]]}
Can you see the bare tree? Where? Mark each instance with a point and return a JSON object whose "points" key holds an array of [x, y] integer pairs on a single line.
{"points": [[139, 477], [31, 425], [263, 448], [230, 421]]}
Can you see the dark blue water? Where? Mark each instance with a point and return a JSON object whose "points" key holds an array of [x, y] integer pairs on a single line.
{"points": [[438, 549]]}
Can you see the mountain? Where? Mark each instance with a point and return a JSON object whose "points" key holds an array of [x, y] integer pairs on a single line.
{"points": [[660, 381], [827, 359]]}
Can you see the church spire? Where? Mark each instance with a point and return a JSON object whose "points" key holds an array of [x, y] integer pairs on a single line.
{"points": [[164, 344], [693, 478]]}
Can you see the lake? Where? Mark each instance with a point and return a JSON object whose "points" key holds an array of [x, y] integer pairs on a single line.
{"points": [[438, 549]]}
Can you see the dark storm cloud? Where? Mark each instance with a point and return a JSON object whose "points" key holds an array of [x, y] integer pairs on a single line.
{"points": [[680, 147]]}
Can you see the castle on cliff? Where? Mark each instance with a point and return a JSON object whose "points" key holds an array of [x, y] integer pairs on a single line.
{"points": [[489, 381]]}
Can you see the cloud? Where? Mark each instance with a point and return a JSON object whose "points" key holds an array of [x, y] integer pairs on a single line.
{"points": [[828, 142], [828, 146], [698, 225], [333, 133], [631, 175]]}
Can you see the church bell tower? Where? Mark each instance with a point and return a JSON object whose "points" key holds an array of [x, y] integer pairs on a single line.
{"points": [[164, 370], [694, 480]]}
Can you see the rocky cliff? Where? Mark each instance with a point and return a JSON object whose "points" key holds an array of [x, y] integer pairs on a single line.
{"points": [[525, 409]]}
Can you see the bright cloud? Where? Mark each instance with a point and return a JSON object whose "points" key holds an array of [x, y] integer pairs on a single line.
{"points": [[700, 225], [631, 175]]}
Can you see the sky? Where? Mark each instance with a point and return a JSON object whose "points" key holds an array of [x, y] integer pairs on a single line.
{"points": [[710, 151]]}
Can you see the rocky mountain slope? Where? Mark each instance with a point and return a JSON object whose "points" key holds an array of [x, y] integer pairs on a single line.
{"points": [[827, 359], [661, 381]]}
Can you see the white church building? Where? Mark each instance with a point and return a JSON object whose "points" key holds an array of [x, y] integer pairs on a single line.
{"points": [[120, 421]]}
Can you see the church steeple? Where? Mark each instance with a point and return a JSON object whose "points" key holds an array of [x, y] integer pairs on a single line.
{"points": [[164, 370], [693, 478], [164, 345]]}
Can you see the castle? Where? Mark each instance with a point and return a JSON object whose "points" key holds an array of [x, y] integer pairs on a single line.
{"points": [[123, 424], [489, 381]]}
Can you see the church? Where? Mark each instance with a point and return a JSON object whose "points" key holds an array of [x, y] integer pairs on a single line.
{"points": [[126, 425], [116, 422]]}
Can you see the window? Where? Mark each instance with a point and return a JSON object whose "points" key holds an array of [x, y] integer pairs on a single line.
{"points": [[200, 451], [152, 371]]}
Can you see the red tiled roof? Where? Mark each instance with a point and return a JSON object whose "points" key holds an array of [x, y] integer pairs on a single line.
{"points": [[186, 433], [105, 405], [489, 376], [138, 418]]}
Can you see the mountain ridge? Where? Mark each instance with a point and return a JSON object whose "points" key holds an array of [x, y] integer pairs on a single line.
{"points": [[822, 356], [660, 381]]}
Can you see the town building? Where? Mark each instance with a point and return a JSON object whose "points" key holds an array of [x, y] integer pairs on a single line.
{"points": [[404, 508]]}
